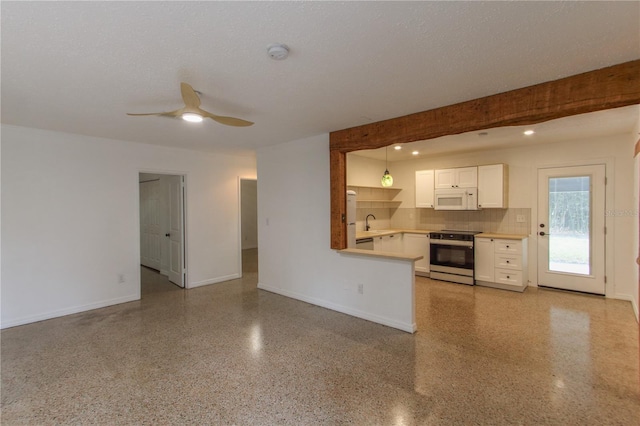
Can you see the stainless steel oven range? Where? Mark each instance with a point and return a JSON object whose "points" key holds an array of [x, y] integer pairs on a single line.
{"points": [[452, 256]]}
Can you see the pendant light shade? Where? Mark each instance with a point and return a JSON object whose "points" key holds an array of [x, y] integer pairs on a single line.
{"points": [[387, 179]]}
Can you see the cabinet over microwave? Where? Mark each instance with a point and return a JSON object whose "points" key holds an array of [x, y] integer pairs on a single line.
{"points": [[456, 199]]}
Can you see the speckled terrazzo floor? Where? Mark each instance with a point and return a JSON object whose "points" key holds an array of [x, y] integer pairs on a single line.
{"points": [[231, 354]]}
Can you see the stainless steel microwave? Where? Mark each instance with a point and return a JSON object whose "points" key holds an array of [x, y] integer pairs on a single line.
{"points": [[456, 199]]}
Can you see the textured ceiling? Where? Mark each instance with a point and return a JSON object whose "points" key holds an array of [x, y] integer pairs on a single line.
{"points": [[80, 66]]}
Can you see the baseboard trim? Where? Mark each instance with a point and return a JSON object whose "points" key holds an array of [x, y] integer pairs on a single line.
{"points": [[409, 328], [214, 280], [634, 305], [68, 311]]}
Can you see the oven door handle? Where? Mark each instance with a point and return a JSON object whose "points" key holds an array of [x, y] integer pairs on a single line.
{"points": [[452, 243]]}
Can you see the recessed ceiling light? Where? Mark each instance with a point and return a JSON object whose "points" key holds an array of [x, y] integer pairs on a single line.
{"points": [[415, 153], [397, 147], [528, 132], [191, 117]]}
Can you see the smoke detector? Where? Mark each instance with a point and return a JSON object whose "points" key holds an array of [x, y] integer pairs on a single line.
{"points": [[278, 51]]}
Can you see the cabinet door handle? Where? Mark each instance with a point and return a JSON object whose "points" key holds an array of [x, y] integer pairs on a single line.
{"points": [[507, 261]]}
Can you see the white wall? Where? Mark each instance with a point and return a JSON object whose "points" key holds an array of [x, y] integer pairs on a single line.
{"points": [[294, 242], [70, 220], [249, 209], [362, 171]]}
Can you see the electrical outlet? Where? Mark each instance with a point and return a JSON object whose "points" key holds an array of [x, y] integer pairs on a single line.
{"points": [[360, 288], [121, 279], [520, 218]]}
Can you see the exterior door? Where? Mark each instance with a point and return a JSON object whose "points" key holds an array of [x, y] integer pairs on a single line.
{"points": [[571, 228], [176, 230], [150, 224]]}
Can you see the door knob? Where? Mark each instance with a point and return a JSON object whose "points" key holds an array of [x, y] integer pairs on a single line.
{"points": [[542, 234]]}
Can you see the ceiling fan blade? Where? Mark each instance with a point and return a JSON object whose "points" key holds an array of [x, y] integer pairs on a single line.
{"points": [[189, 96], [150, 113], [175, 113], [229, 121]]}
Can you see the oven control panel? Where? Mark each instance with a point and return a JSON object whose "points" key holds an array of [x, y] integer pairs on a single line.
{"points": [[454, 236]]}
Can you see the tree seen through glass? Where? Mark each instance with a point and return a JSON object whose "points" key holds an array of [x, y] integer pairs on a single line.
{"points": [[570, 224]]}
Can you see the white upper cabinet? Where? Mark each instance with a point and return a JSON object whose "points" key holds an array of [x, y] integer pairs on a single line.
{"points": [[462, 177], [424, 188], [493, 188]]}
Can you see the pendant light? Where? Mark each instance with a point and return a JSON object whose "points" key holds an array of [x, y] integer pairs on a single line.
{"points": [[387, 179]]}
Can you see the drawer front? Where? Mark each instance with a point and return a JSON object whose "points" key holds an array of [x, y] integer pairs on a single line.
{"points": [[508, 246], [508, 277], [506, 261]]}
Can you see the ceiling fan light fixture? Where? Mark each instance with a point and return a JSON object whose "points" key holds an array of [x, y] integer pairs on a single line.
{"points": [[192, 117]]}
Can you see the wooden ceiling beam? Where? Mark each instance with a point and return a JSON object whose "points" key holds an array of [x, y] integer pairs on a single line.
{"points": [[606, 88]]}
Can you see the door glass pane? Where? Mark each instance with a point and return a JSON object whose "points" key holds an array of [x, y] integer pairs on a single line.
{"points": [[570, 224]]}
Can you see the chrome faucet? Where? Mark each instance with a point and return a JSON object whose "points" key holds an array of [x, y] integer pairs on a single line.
{"points": [[366, 222]]}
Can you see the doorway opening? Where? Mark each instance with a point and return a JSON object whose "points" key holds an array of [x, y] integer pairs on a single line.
{"points": [[162, 233], [249, 226]]}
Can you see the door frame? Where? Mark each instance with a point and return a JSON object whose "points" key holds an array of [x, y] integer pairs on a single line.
{"points": [[609, 223], [239, 181], [593, 281], [185, 251]]}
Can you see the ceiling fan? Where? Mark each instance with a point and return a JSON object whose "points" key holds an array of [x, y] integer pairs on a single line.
{"points": [[193, 113]]}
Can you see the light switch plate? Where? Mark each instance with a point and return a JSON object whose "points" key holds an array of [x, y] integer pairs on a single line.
{"points": [[520, 218]]}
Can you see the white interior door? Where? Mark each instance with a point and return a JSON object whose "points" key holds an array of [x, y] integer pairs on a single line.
{"points": [[571, 228], [176, 231], [150, 239]]}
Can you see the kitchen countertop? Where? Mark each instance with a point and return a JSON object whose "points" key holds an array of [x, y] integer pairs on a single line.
{"points": [[502, 236], [382, 233], [384, 255]]}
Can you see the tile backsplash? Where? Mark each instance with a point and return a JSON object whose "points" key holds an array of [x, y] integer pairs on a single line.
{"points": [[382, 220], [502, 221]]}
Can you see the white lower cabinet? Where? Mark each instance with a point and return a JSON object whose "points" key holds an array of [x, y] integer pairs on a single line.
{"points": [[484, 263], [388, 243], [406, 243], [418, 244], [501, 263]]}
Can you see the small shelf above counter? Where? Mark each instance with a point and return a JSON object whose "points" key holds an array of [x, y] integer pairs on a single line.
{"points": [[375, 197], [377, 203]]}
